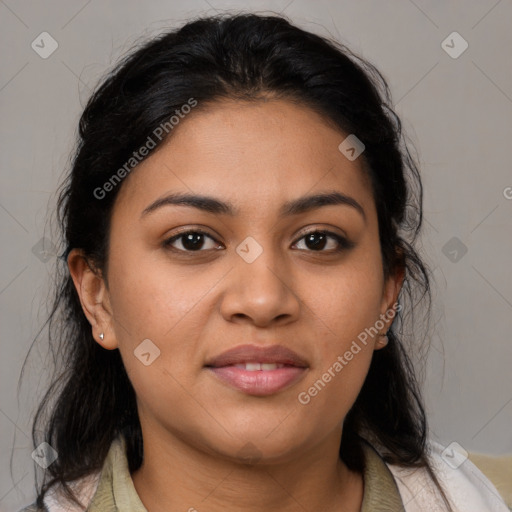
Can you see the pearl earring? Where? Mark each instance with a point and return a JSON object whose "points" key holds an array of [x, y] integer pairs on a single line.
{"points": [[101, 336]]}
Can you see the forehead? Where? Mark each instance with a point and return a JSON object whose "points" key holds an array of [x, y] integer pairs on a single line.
{"points": [[249, 153]]}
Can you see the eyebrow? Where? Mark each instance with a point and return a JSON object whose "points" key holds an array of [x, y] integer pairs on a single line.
{"points": [[216, 206]]}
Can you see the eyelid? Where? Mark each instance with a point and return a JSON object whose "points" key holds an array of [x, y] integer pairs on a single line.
{"points": [[328, 230], [343, 241]]}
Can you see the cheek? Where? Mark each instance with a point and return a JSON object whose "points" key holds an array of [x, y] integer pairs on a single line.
{"points": [[152, 301], [343, 353], [167, 308], [344, 309], [346, 302]]}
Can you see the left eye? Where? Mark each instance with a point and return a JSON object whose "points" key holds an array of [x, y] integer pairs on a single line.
{"points": [[318, 240]]}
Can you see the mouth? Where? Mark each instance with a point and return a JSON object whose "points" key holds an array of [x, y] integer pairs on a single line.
{"points": [[258, 371]]}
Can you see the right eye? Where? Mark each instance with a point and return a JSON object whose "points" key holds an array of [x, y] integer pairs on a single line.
{"points": [[192, 240]]}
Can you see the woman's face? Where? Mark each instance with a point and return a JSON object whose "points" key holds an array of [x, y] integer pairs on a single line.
{"points": [[256, 276]]}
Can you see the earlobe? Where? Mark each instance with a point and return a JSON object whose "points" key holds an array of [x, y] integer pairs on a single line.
{"points": [[94, 298], [382, 341]]}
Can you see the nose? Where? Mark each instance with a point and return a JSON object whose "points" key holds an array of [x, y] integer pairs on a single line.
{"points": [[261, 292]]}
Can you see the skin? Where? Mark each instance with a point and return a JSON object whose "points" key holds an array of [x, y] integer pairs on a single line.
{"points": [[195, 305]]}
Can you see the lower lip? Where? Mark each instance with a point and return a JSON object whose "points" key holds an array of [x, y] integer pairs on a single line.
{"points": [[259, 382]]}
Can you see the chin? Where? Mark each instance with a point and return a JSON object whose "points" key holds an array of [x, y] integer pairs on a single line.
{"points": [[263, 445]]}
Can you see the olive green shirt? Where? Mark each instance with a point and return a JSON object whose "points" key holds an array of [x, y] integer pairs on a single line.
{"points": [[116, 493]]}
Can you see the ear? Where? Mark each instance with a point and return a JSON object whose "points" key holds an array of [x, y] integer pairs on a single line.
{"points": [[94, 298], [391, 290]]}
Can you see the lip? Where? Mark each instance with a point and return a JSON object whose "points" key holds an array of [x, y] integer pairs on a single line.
{"points": [[258, 382], [255, 354]]}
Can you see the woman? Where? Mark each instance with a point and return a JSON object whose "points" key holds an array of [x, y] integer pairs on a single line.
{"points": [[239, 225]]}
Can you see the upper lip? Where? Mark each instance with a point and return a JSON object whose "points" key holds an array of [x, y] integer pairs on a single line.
{"points": [[256, 354]]}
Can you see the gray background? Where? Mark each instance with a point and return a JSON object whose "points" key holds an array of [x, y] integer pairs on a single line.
{"points": [[457, 112]]}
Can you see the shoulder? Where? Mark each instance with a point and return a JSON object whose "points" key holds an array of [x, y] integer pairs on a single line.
{"points": [[466, 487], [55, 501], [84, 488]]}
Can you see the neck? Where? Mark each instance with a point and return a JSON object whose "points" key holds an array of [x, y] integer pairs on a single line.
{"points": [[176, 476]]}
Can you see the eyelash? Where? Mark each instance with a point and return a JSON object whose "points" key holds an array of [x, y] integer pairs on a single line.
{"points": [[343, 243]]}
